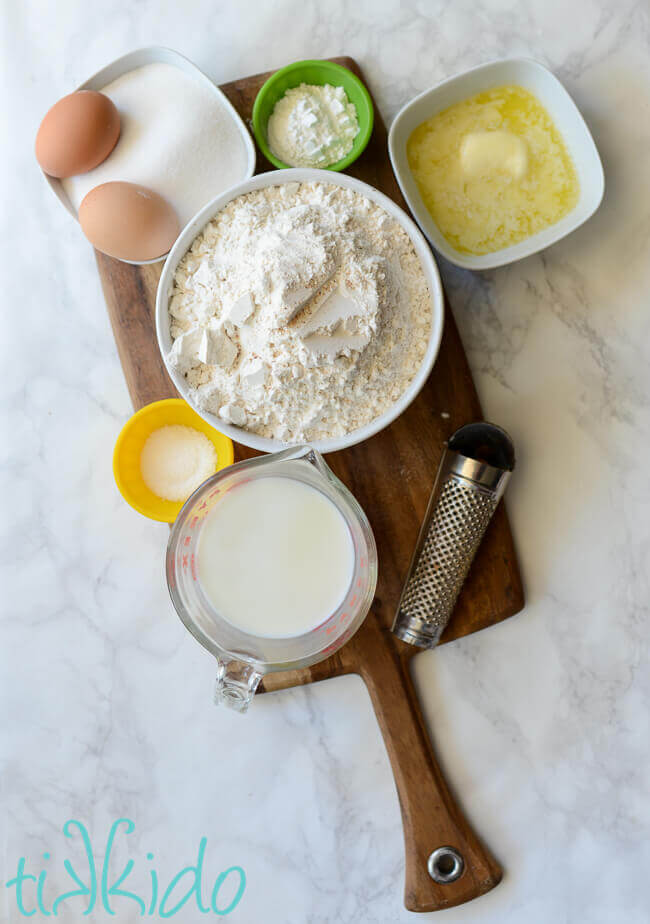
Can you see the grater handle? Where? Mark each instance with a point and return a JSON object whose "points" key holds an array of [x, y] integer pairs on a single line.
{"points": [[430, 816]]}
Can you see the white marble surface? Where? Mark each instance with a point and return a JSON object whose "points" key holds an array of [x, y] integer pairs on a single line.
{"points": [[541, 723]]}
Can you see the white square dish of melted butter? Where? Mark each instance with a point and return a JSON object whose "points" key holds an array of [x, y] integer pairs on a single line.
{"points": [[496, 163], [493, 170]]}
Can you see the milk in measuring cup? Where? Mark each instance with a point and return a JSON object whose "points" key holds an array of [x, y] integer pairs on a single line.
{"points": [[275, 557]]}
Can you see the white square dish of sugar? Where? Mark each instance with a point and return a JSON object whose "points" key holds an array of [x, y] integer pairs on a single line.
{"points": [[180, 136]]}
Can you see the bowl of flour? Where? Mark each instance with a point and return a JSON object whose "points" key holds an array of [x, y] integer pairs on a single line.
{"points": [[301, 307]]}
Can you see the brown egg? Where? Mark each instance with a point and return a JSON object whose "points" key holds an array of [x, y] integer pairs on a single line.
{"points": [[77, 134], [128, 221]]}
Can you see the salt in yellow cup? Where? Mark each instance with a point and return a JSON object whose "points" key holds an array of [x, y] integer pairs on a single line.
{"points": [[128, 448]]}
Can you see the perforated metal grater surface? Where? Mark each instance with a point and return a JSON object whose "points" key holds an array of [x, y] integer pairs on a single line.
{"points": [[472, 477]]}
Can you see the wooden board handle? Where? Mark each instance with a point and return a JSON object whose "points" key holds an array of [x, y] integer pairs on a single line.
{"points": [[430, 815]]}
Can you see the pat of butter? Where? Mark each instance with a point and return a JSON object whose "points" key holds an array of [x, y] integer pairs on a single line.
{"points": [[485, 153]]}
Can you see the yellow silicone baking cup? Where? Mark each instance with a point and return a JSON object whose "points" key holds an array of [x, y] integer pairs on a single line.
{"points": [[134, 434]]}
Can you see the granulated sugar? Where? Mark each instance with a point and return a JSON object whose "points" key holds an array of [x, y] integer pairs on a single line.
{"points": [[177, 137]]}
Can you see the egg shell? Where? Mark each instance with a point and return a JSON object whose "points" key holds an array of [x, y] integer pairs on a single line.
{"points": [[77, 134], [128, 221]]}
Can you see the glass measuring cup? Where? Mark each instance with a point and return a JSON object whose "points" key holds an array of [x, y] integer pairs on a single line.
{"points": [[242, 658]]}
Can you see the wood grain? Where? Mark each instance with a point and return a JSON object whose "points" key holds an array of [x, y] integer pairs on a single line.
{"points": [[391, 475]]}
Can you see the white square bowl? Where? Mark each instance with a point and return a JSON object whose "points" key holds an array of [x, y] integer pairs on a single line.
{"points": [[129, 62], [549, 91]]}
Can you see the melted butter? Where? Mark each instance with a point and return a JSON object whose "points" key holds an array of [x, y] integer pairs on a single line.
{"points": [[493, 170]]}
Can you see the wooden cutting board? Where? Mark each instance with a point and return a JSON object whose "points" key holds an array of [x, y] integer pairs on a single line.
{"points": [[391, 475]]}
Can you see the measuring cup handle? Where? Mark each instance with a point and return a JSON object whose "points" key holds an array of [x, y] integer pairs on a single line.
{"points": [[236, 683]]}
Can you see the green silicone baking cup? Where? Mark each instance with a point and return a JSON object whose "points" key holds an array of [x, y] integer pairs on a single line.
{"points": [[314, 72]]}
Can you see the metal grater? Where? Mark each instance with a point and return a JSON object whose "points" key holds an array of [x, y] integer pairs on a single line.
{"points": [[474, 470]]}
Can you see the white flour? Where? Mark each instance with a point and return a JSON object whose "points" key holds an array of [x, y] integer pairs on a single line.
{"points": [[177, 137], [313, 126], [300, 312]]}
